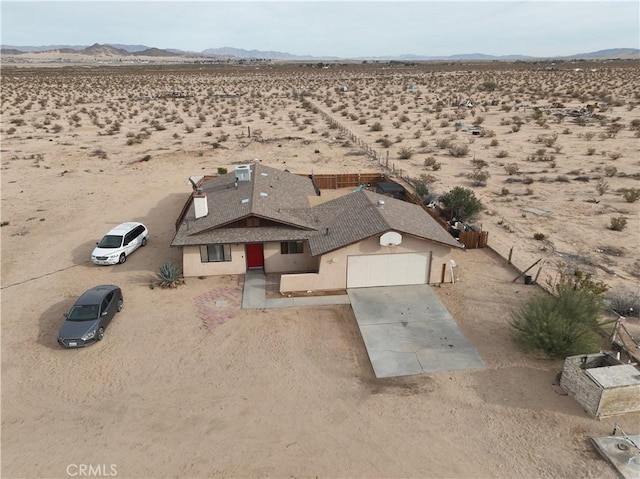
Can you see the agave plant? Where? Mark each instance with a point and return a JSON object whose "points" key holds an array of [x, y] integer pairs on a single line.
{"points": [[169, 276]]}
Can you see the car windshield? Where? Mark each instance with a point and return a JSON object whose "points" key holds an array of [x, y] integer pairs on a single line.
{"points": [[110, 241], [84, 312]]}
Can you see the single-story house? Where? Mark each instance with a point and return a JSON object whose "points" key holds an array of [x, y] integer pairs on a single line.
{"points": [[262, 217]]}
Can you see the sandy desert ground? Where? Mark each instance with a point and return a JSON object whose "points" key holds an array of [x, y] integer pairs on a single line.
{"points": [[182, 388]]}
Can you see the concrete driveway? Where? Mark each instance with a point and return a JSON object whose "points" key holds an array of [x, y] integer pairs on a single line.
{"points": [[407, 330]]}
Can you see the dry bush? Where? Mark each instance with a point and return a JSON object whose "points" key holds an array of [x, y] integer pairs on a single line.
{"points": [[512, 169], [459, 149], [502, 154], [610, 170], [617, 223], [479, 177], [631, 195], [405, 153], [602, 187], [443, 143]]}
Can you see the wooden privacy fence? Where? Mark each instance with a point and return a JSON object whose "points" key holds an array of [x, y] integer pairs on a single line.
{"points": [[474, 239], [348, 180]]}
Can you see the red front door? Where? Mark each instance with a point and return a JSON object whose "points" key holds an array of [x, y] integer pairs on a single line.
{"points": [[255, 255]]}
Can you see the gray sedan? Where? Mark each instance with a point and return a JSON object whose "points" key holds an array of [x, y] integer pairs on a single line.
{"points": [[90, 315]]}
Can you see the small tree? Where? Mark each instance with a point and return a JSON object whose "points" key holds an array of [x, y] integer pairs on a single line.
{"points": [[565, 323], [462, 203]]}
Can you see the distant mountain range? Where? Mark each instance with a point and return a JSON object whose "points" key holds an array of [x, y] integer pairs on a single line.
{"points": [[116, 49]]}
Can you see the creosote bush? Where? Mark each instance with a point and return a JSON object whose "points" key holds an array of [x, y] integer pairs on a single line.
{"points": [[617, 223], [405, 153], [564, 323], [539, 236], [631, 195]]}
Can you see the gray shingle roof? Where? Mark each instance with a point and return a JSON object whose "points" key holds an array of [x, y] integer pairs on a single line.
{"points": [[358, 215], [283, 198]]}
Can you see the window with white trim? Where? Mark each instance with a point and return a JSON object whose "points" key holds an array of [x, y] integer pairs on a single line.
{"points": [[214, 253]]}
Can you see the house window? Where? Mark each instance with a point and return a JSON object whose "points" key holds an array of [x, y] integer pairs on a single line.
{"points": [[291, 247], [213, 253]]}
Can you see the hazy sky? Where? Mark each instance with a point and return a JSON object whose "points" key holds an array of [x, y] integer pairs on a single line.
{"points": [[344, 29]]}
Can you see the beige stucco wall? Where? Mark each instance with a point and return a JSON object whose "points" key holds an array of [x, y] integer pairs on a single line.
{"points": [[193, 266], [332, 273], [274, 262]]}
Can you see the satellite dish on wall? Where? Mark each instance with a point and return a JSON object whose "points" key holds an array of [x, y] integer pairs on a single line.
{"points": [[390, 238]]}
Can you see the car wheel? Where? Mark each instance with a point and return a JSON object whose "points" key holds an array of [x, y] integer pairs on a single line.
{"points": [[120, 305], [144, 242], [123, 258], [100, 334]]}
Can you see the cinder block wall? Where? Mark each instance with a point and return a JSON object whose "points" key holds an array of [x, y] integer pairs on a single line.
{"points": [[580, 386]]}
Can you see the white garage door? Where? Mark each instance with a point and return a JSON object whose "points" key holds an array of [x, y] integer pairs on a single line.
{"points": [[387, 269]]}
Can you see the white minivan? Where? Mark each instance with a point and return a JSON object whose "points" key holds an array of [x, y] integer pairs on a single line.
{"points": [[120, 242]]}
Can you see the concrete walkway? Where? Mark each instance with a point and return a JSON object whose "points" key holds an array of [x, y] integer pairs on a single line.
{"points": [[254, 295]]}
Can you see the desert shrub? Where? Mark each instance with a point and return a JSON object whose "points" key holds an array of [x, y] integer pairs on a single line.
{"points": [[386, 142], [489, 86], [512, 169], [377, 126], [421, 189], [502, 154], [443, 143], [494, 142], [539, 236], [461, 203], [169, 276], [478, 120], [429, 162], [631, 195], [479, 177], [614, 155], [591, 151], [222, 170], [562, 179], [563, 324], [99, 153], [479, 163], [504, 192], [624, 302], [617, 223], [610, 170], [405, 153], [459, 149], [602, 187]]}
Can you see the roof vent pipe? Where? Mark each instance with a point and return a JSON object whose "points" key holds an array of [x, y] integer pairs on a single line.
{"points": [[380, 202], [326, 231]]}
